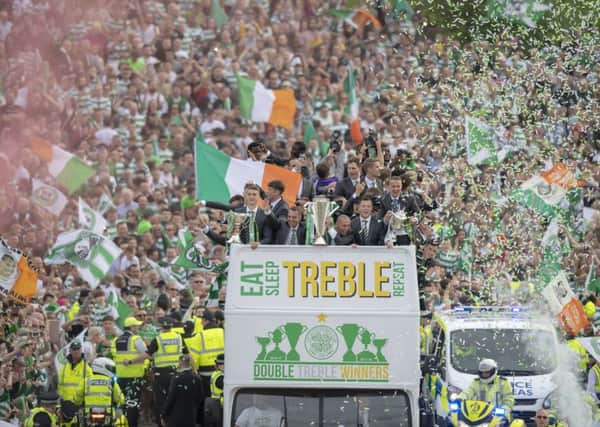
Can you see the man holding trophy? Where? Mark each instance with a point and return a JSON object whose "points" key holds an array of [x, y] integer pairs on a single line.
{"points": [[247, 223], [398, 210]]}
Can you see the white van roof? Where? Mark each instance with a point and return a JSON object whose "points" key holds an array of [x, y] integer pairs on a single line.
{"points": [[499, 317]]}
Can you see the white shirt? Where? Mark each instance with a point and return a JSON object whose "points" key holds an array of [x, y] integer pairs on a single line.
{"points": [[207, 126], [106, 135], [365, 222], [273, 204], [126, 262], [370, 183], [254, 417]]}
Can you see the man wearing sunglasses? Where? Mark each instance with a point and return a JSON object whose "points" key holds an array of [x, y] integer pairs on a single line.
{"points": [[543, 418]]}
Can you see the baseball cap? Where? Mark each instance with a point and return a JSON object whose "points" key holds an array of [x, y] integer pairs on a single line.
{"points": [[132, 321]]}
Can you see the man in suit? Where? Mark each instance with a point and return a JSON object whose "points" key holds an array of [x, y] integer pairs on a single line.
{"points": [[276, 204], [367, 228], [347, 186], [395, 200], [370, 183], [264, 224], [185, 393], [291, 231], [342, 234], [371, 171]]}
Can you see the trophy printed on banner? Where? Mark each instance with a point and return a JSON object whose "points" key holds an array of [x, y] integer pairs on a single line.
{"points": [[397, 226], [236, 222], [319, 210]]}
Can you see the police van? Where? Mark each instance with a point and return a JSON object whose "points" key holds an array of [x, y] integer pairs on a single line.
{"points": [[322, 336], [523, 343]]}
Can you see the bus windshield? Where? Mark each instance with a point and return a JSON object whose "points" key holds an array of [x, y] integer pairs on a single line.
{"points": [[322, 408], [517, 351]]}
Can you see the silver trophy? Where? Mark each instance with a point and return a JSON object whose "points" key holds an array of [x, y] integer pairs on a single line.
{"points": [[236, 222], [320, 209], [397, 225]]}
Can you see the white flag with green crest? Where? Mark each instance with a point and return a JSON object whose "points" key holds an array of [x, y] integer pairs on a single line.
{"points": [[90, 219]]}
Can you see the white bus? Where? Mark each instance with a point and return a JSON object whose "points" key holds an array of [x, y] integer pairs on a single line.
{"points": [[322, 336]]}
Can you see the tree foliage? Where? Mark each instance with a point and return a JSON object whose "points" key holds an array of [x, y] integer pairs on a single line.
{"points": [[468, 20]]}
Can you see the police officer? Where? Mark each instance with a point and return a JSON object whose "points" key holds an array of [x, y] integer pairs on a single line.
{"points": [[165, 350], [211, 343], [183, 397], [45, 414], [102, 393], [489, 387], [213, 405], [129, 354], [583, 358], [72, 375], [192, 342]]}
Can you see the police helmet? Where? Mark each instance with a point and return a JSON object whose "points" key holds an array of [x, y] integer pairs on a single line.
{"points": [[104, 366], [488, 369]]}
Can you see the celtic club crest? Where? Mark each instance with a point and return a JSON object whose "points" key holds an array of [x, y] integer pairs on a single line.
{"points": [[45, 196], [321, 342]]}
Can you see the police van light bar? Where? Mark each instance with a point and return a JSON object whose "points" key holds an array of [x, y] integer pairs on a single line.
{"points": [[454, 406], [489, 310]]}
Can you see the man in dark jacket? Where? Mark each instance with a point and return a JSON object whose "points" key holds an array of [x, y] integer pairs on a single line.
{"points": [[342, 235], [264, 225], [184, 395], [292, 231], [276, 204], [367, 228], [347, 186]]}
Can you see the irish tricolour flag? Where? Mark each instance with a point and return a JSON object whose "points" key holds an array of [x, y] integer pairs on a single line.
{"points": [[356, 18], [69, 171], [259, 104], [353, 106], [219, 177]]}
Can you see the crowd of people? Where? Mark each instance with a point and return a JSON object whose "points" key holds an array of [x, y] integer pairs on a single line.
{"points": [[129, 86]]}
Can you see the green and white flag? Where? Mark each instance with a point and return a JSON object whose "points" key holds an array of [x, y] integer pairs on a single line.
{"points": [[61, 357], [89, 252], [552, 255], [184, 239], [122, 308], [547, 199], [104, 204], [191, 258], [48, 197], [165, 273], [528, 12], [89, 219], [215, 287], [485, 144]]}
